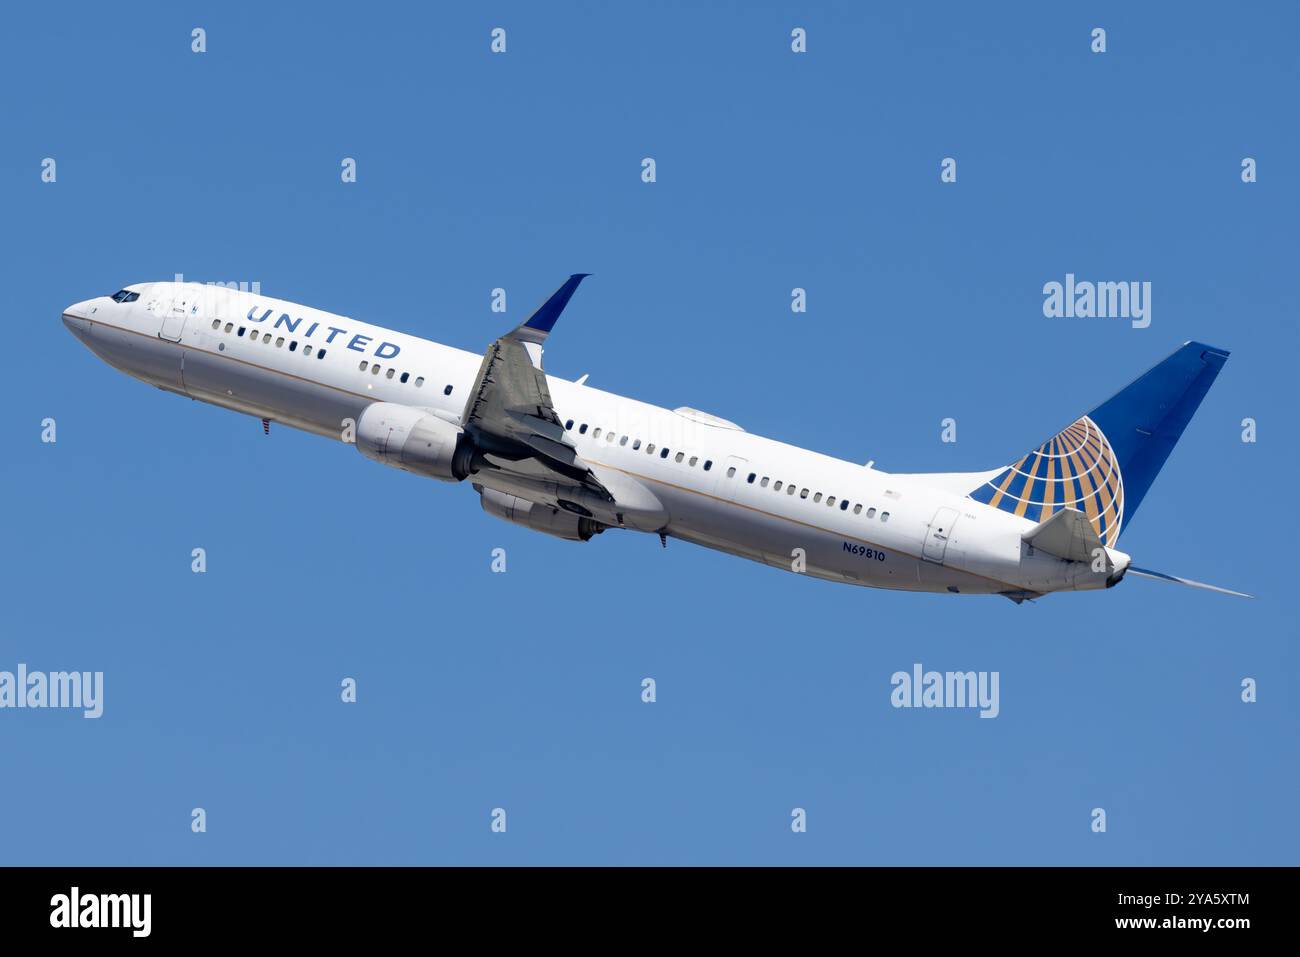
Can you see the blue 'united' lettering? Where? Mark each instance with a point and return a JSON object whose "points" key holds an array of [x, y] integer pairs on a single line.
{"points": [[358, 342]]}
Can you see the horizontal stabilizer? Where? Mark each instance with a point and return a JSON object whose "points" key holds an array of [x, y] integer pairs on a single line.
{"points": [[1068, 534], [1162, 577]]}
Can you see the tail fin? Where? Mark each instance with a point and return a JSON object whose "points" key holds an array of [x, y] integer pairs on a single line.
{"points": [[1103, 463]]}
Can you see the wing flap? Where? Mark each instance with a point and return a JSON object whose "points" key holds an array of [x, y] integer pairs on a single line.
{"points": [[556, 451]]}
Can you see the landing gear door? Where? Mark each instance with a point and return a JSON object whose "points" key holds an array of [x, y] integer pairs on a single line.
{"points": [[938, 534]]}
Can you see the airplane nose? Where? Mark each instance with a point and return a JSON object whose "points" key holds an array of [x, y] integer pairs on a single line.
{"points": [[78, 311]]}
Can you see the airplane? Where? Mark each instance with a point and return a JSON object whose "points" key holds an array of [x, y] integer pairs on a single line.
{"points": [[572, 461]]}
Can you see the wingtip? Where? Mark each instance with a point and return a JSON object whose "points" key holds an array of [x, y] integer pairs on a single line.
{"points": [[544, 319]]}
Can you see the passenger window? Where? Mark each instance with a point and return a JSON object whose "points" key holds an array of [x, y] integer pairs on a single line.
{"points": [[610, 437], [830, 500], [857, 509], [663, 453], [871, 513], [884, 516], [266, 337], [650, 449], [731, 472], [595, 433], [803, 493], [404, 377], [623, 440], [389, 374], [279, 342], [240, 332], [776, 486], [306, 350], [752, 476], [364, 365], [568, 425], [374, 369], [680, 456], [216, 323], [447, 391], [293, 345], [708, 464], [694, 459], [320, 353], [763, 484], [844, 505], [636, 445], [817, 497], [790, 490], [229, 325], [583, 429], [419, 381]]}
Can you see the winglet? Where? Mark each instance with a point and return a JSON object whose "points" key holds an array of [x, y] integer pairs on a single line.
{"points": [[539, 325]]}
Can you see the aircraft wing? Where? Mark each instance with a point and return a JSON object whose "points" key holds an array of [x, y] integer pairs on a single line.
{"points": [[509, 413]]}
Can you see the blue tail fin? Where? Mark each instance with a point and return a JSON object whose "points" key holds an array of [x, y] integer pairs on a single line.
{"points": [[1103, 463]]}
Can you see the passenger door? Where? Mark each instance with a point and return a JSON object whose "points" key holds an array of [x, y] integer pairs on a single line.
{"points": [[183, 305], [938, 534]]}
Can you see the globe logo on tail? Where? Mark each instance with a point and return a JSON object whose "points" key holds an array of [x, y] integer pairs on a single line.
{"points": [[1076, 468]]}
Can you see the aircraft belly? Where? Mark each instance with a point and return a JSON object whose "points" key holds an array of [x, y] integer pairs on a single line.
{"points": [[261, 392], [767, 538]]}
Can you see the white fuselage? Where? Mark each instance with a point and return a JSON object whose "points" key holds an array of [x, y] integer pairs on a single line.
{"points": [[911, 532]]}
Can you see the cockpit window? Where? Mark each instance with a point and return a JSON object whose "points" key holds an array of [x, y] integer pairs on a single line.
{"points": [[123, 296]]}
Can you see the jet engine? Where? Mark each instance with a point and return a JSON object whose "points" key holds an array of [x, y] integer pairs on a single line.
{"points": [[414, 441], [538, 517]]}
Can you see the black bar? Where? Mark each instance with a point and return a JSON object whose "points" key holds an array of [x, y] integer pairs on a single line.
{"points": [[336, 905]]}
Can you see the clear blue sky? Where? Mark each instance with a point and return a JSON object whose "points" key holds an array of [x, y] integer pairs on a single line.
{"points": [[522, 690]]}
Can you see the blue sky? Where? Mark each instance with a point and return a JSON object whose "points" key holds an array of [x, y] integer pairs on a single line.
{"points": [[522, 690]]}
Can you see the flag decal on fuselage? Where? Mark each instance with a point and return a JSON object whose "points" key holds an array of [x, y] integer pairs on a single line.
{"points": [[1076, 468]]}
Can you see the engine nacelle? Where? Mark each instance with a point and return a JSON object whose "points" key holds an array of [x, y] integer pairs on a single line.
{"points": [[414, 441], [540, 518]]}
